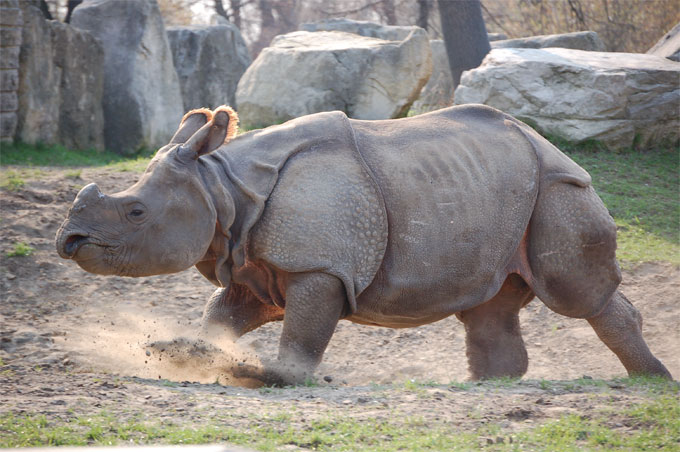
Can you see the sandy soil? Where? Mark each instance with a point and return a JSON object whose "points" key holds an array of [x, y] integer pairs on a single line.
{"points": [[66, 335]]}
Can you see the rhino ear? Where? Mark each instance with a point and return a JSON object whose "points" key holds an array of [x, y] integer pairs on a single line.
{"points": [[221, 128], [191, 122]]}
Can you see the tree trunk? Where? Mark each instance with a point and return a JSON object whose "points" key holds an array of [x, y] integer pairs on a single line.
{"points": [[236, 12], [70, 6], [267, 27], [388, 11], [465, 35], [45, 10], [219, 9], [423, 13]]}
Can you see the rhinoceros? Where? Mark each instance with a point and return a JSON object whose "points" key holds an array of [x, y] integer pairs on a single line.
{"points": [[394, 223]]}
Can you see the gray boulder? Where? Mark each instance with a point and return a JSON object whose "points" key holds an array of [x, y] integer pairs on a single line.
{"points": [[142, 97], [10, 42], [362, 28], [209, 61], [308, 72], [438, 92], [60, 84], [580, 40], [619, 99], [669, 45]]}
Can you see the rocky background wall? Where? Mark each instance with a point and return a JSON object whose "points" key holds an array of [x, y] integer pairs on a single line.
{"points": [[117, 78], [60, 84], [10, 42]]}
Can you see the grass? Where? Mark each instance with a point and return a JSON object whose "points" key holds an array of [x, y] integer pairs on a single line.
{"points": [[652, 424], [56, 155], [11, 180], [20, 249]]}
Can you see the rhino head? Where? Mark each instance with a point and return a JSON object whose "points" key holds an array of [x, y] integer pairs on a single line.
{"points": [[162, 224]]}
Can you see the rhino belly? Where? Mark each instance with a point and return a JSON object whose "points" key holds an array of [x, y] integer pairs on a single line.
{"points": [[457, 209]]}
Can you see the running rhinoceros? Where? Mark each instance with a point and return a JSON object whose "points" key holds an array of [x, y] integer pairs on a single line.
{"points": [[395, 223]]}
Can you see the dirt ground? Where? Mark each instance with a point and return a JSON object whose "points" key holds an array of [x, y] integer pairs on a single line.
{"points": [[70, 340]]}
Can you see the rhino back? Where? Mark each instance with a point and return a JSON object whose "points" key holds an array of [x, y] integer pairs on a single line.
{"points": [[459, 187]]}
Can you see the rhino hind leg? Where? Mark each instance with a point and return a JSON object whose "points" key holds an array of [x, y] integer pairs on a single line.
{"points": [[619, 326], [236, 311], [572, 251], [494, 344], [572, 255]]}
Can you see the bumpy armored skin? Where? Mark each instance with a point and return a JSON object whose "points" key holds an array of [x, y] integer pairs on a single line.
{"points": [[395, 223]]}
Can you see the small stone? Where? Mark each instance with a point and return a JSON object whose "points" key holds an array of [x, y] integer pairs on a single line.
{"points": [[148, 353], [11, 276], [328, 378], [346, 402]]}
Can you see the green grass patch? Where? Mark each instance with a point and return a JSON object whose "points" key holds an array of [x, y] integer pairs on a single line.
{"points": [[650, 425], [11, 180], [20, 249], [653, 424], [267, 433], [56, 155]]}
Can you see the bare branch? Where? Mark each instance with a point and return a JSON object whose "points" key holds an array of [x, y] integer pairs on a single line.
{"points": [[351, 11], [494, 20]]}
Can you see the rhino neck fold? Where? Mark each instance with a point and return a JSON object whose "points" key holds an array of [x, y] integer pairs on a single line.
{"points": [[226, 200]]}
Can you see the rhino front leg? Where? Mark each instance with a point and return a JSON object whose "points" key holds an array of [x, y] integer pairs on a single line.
{"points": [[237, 310], [314, 304], [619, 326]]}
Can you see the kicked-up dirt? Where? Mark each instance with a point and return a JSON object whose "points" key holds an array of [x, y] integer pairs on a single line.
{"points": [[73, 341]]}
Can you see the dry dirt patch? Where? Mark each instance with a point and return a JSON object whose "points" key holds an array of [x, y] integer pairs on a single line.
{"points": [[72, 341]]}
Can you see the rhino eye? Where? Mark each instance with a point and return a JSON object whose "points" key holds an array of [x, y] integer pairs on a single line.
{"points": [[136, 213]]}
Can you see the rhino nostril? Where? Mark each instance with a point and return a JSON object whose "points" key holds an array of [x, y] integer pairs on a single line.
{"points": [[72, 243]]}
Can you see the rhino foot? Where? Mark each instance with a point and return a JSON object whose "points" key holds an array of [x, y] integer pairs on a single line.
{"points": [[276, 375]]}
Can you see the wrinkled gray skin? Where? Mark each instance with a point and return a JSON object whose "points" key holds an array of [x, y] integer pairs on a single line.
{"points": [[395, 223]]}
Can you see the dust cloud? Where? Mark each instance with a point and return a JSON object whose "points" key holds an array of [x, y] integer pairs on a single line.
{"points": [[134, 342]]}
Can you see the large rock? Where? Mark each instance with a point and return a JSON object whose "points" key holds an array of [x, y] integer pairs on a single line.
{"points": [[669, 45], [362, 28], [308, 72], [10, 42], [142, 97], [438, 92], [580, 40], [619, 99], [209, 61], [60, 84]]}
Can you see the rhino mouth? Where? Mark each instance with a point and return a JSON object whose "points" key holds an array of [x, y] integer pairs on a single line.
{"points": [[72, 243]]}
